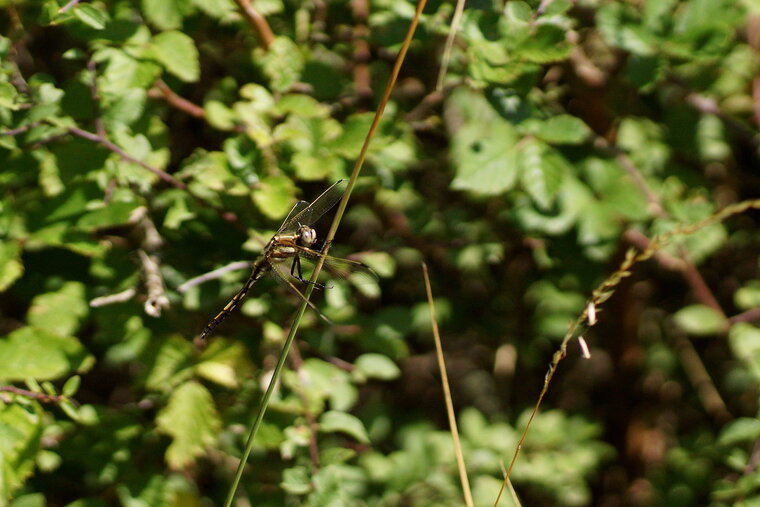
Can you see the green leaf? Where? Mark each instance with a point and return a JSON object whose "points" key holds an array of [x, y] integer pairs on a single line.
{"points": [[482, 145], [541, 171], [8, 96], [168, 363], [282, 63], [224, 363], [274, 196], [740, 431], [20, 441], [177, 53], [744, 340], [38, 353], [560, 129], [91, 15], [312, 167], [748, 297], [11, 267], [296, 480], [219, 115], [377, 366], [71, 386], [166, 14], [107, 215], [191, 419], [334, 421], [61, 311], [700, 320]]}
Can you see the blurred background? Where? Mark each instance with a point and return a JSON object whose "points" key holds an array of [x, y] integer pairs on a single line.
{"points": [[146, 144]]}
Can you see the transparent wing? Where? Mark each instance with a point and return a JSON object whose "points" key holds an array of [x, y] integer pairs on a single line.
{"points": [[337, 267], [281, 273], [314, 211], [297, 208]]}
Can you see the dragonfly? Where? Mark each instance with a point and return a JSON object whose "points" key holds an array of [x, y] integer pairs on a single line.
{"points": [[293, 243]]}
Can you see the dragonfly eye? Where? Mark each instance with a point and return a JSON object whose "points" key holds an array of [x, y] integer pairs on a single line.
{"points": [[308, 236]]}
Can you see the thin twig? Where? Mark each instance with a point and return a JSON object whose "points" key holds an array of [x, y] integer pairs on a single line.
{"points": [[751, 315], [20, 130], [447, 394], [119, 297], [708, 394], [41, 397], [257, 22], [446, 55], [95, 96], [228, 216], [178, 102], [213, 275]]}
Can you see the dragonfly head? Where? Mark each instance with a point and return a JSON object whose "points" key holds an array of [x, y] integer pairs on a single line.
{"points": [[307, 236]]}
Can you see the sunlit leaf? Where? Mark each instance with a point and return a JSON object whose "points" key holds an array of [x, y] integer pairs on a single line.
{"points": [[191, 419], [334, 421]]}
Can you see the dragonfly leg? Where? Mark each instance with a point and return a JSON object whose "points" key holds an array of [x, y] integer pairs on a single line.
{"points": [[295, 272]]}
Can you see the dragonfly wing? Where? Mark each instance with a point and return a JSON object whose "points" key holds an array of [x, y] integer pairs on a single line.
{"points": [[297, 208], [314, 211], [282, 273], [337, 267]]}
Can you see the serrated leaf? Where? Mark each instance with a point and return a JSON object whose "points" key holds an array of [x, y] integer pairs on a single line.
{"points": [[282, 63], [20, 440], [178, 54], [11, 267], [169, 363], [192, 421], [334, 421], [59, 312], [699, 320], [224, 363], [377, 366], [38, 353]]}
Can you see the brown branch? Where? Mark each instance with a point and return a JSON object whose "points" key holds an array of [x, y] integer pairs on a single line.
{"points": [[690, 273], [257, 22], [20, 130], [228, 216], [695, 369], [756, 99], [41, 397], [748, 316], [178, 102], [99, 127], [125, 156]]}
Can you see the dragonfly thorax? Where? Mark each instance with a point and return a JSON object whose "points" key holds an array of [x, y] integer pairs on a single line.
{"points": [[307, 236]]}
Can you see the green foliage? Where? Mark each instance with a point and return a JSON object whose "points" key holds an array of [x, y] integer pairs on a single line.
{"points": [[146, 143]]}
